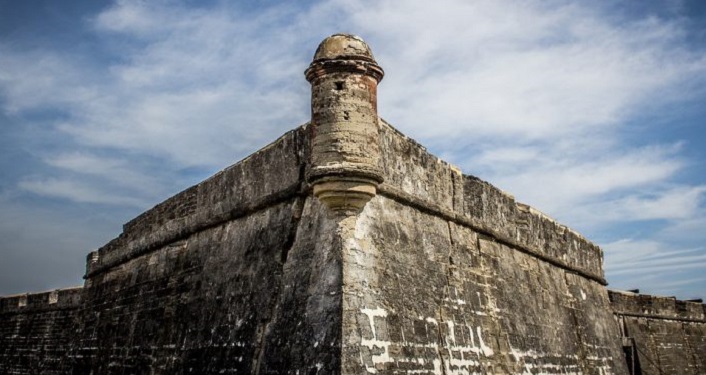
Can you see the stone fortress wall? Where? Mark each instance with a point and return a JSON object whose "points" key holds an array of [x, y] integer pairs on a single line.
{"points": [[211, 281], [445, 273], [661, 335], [344, 247], [36, 331]]}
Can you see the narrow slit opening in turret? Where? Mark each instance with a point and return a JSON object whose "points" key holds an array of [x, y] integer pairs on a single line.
{"points": [[339, 85]]}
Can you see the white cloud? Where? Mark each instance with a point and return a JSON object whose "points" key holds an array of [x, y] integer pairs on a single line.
{"points": [[520, 70], [135, 18], [630, 255], [560, 179], [656, 267], [78, 191], [197, 88], [692, 229], [190, 78], [35, 80], [85, 163], [115, 172], [681, 202]]}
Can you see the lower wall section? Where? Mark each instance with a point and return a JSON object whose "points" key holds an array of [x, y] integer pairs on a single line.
{"points": [[293, 288], [423, 295], [36, 331], [254, 295]]}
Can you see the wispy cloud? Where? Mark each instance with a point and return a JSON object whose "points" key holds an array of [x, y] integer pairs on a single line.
{"points": [[659, 266], [34, 80], [193, 87], [77, 191], [523, 70], [576, 175], [681, 202]]}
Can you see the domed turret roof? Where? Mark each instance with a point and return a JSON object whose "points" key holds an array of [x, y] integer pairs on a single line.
{"points": [[343, 46]]}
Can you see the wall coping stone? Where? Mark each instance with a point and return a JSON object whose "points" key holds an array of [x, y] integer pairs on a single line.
{"points": [[52, 300]]}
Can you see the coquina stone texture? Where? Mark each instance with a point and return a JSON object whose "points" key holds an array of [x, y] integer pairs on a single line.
{"points": [[344, 247]]}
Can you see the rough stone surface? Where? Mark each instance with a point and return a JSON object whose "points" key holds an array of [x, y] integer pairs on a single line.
{"points": [[343, 46], [426, 295], [265, 177], [422, 180]]}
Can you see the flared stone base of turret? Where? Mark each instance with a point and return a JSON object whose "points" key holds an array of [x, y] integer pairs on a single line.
{"points": [[345, 194]]}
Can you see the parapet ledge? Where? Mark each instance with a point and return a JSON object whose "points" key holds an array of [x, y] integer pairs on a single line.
{"points": [[57, 299], [268, 176], [422, 149], [658, 307], [542, 216], [528, 229], [415, 176]]}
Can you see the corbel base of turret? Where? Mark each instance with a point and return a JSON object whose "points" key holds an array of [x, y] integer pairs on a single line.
{"points": [[345, 194]]}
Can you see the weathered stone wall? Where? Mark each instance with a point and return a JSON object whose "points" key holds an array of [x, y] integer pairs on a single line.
{"points": [[440, 273], [239, 274], [36, 331], [266, 177], [257, 293], [247, 272], [226, 277], [421, 180], [661, 335], [445, 274], [426, 295]]}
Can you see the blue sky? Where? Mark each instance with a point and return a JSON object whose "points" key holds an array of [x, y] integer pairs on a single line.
{"points": [[592, 112]]}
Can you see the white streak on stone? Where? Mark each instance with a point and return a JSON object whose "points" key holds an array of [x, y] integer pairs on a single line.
{"points": [[452, 334], [487, 351], [374, 342]]}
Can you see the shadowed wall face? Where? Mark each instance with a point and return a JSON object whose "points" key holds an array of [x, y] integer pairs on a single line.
{"points": [[254, 294], [239, 274], [37, 331], [246, 281]]}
